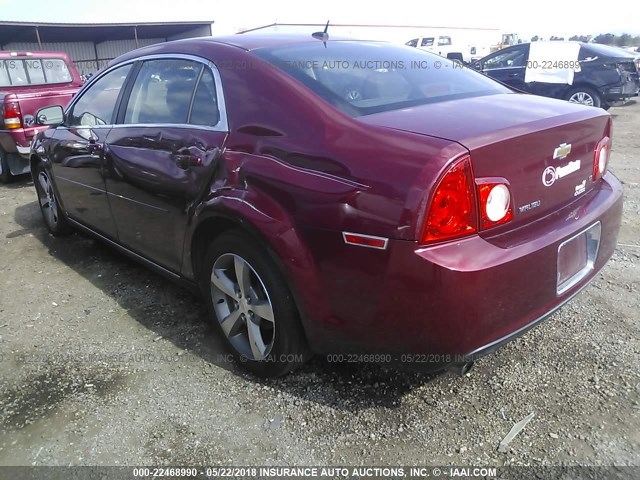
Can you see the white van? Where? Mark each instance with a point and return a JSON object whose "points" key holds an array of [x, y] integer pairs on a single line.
{"points": [[445, 46]]}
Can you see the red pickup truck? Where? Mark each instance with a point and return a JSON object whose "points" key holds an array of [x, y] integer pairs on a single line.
{"points": [[28, 82]]}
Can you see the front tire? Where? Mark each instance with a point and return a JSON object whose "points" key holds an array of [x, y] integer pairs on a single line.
{"points": [[585, 96], [5, 173], [52, 214], [251, 305]]}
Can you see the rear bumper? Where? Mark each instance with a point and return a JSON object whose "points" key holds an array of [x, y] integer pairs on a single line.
{"points": [[496, 344], [18, 141], [460, 300], [620, 92]]}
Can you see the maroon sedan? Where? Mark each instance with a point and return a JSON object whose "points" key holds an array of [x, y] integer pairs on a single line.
{"points": [[366, 200]]}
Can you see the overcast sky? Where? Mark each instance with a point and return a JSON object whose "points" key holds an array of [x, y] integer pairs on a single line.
{"points": [[545, 17]]}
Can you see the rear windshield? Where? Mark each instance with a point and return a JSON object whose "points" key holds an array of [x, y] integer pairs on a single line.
{"points": [[33, 71], [607, 51], [365, 78]]}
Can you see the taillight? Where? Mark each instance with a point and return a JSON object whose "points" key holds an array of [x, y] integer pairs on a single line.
{"points": [[452, 211], [12, 115], [601, 158], [495, 202]]}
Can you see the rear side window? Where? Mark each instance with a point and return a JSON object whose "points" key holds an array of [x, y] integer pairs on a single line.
{"points": [[163, 92], [205, 107], [173, 91], [33, 71], [97, 103]]}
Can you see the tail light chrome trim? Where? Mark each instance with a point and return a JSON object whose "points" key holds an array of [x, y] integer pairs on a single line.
{"points": [[604, 145], [485, 186]]}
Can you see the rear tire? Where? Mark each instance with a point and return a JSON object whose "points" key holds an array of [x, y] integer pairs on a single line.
{"points": [[585, 96], [5, 173], [52, 214], [251, 306]]}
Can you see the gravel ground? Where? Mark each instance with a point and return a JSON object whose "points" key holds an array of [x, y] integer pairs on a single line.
{"points": [[105, 363]]}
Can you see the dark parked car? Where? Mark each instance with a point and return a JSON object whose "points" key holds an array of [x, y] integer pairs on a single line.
{"points": [[603, 74], [426, 220]]}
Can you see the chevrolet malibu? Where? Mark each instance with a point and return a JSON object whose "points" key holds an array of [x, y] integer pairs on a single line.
{"points": [[333, 196]]}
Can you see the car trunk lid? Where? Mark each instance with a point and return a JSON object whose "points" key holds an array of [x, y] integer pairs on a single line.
{"points": [[544, 148]]}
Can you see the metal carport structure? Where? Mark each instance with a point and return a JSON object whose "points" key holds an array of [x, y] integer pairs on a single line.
{"points": [[91, 46]]}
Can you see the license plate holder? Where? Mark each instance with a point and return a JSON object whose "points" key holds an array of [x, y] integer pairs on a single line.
{"points": [[577, 257]]}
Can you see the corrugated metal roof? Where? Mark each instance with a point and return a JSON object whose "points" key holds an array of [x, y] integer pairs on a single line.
{"points": [[91, 46], [92, 32]]}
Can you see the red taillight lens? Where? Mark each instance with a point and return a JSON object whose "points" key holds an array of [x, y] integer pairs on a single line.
{"points": [[12, 115], [496, 206], [601, 158], [452, 212]]}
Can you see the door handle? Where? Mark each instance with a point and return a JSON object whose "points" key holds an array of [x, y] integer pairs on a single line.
{"points": [[185, 161], [513, 75], [95, 147]]}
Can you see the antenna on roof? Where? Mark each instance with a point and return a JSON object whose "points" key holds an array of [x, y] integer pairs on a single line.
{"points": [[324, 36]]}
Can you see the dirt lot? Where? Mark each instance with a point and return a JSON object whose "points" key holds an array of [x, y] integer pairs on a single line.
{"points": [[106, 363]]}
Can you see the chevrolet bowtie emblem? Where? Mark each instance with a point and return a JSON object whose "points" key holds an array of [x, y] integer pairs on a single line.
{"points": [[562, 151]]}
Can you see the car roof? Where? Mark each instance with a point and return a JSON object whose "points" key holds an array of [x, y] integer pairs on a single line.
{"points": [[256, 40], [600, 47], [551, 41], [31, 54]]}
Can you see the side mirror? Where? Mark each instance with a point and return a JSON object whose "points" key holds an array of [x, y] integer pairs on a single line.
{"points": [[476, 66], [50, 116]]}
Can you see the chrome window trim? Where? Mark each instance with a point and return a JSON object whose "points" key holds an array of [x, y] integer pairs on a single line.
{"points": [[502, 68], [221, 126]]}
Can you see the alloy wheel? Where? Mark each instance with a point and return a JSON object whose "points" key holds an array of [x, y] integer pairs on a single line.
{"points": [[582, 97], [242, 306], [47, 198]]}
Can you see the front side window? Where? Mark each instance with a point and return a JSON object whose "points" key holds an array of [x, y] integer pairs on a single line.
{"points": [[163, 92], [516, 57], [97, 104], [427, 42]]}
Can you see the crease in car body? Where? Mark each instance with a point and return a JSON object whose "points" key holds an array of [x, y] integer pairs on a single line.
{"points": [[259, 225]]}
